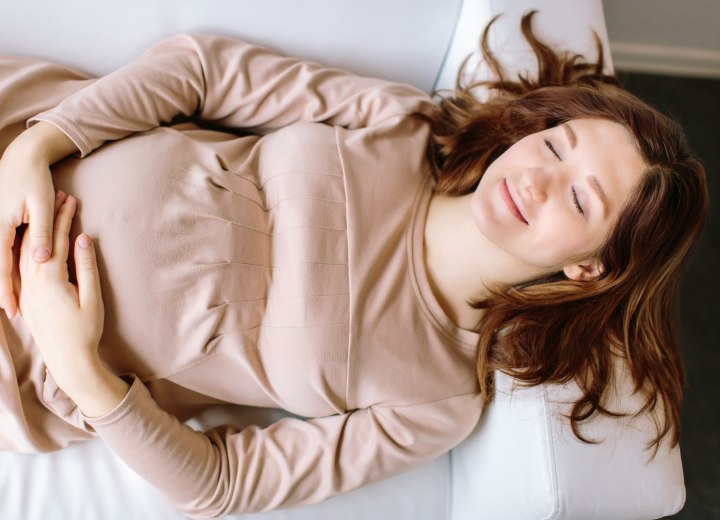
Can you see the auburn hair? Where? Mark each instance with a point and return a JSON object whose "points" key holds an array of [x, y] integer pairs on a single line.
{"points": [[556, 330]]}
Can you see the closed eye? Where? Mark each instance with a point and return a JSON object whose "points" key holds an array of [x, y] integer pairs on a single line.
{"points": [[576, 203], [552, 149]]}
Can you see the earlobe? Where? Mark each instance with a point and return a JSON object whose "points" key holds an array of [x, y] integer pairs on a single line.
{"points": [[585, 272]]}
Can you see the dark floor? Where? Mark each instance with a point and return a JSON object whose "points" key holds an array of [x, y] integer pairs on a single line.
{"points": [[696, 104]]}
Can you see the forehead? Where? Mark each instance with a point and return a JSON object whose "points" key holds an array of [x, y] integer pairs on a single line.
{"points": [[604, 131]]}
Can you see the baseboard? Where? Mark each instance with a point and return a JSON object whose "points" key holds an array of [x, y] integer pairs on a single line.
{"points": [[659, 59]]}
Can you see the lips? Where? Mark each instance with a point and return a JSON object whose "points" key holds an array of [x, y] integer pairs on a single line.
{"points": [[505, 192]]}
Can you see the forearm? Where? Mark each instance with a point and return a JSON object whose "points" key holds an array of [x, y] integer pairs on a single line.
{"points": [[163, 85], [228, 470]]}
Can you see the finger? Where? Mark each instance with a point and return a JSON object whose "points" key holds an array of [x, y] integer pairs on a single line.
{"points": [[7, 297], [40, 228], [63, 222], [15, 277], [86, 270], [60, 197]]}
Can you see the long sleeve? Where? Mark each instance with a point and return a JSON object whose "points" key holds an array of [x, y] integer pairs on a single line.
{"points": [[290, 463], [228, 83]]}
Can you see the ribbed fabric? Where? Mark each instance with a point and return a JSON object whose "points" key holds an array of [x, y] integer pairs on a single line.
{"points": [[280, 269]]}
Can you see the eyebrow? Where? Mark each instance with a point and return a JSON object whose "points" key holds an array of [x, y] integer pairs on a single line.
{"points": [[592, 180], [570, 135], [595, 185]]}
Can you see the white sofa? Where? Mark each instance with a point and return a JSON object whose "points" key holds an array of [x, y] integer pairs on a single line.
{"points": [[522, 462]]}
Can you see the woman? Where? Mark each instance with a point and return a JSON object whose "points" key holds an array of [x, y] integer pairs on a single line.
{"points": [[326, 264]]}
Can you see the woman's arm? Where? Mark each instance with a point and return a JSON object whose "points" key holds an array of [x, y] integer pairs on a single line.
{"points": [[229, 83], [290, 463]]}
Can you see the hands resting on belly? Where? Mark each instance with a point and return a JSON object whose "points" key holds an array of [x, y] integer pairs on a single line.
{"points": [[66, 321]]}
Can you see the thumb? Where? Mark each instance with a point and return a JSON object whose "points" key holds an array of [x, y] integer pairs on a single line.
{"points": [[86, 271]]}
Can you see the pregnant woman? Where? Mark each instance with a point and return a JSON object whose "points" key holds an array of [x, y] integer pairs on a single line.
{"points": [[269, 232]]}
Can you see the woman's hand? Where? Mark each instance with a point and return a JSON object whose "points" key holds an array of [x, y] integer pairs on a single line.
{"points": [[27, 197], [65, 321]]}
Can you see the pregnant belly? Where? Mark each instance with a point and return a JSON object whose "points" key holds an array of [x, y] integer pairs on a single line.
{"points": [[160, 237], [210, 282]]}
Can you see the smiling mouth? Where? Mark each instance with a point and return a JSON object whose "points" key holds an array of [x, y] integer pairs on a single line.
{"points": [[505, 192]]}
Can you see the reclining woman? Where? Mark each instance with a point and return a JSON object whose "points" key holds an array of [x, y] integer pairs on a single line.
{"points": [[274, 233]]}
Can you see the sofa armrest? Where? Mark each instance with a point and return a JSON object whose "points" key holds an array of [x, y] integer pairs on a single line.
{"points": [[562, 23], [524, 462]]}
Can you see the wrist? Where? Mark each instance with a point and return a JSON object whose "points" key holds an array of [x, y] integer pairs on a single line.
{"points": [[95, 389], [42, 143]]}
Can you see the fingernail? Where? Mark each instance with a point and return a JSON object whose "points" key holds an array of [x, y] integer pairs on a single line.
{"points": [[41, 254], [84, 241]]}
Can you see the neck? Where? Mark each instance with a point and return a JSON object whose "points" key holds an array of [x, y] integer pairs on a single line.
{"points": [[462, 264]]}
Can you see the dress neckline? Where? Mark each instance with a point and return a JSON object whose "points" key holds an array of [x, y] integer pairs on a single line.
{"points": [[418, 271]]}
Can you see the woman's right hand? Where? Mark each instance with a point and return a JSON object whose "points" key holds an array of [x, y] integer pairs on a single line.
{"points": [[27, 196]]}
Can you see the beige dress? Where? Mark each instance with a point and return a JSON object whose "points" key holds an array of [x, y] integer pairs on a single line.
{"points": [[280, 265]]}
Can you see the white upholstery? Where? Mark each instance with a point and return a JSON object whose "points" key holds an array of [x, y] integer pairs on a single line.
{"points": [[522, 462], [563, 23], [404, 40]]}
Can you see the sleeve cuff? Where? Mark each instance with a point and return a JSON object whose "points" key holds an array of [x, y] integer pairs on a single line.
{"points": [[137, 392], [65, 127]]}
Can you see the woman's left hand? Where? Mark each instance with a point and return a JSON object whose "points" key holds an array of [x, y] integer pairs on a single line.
{"points": [[66, 321]]}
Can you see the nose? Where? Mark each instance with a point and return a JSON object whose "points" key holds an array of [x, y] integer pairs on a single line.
{"points": [[536, 183]]}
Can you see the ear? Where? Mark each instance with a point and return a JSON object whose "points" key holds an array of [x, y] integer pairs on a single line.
{"points": [[585, 272]]}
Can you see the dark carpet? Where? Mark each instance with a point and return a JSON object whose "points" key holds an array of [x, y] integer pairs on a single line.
{"points": [[695, 103]]}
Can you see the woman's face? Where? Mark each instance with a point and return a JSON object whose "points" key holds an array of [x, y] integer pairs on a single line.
{"points": [[552, 198]]}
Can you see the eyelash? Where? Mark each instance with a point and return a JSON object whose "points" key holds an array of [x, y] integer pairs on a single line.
{"points": [[576, 203], [552, 149]]}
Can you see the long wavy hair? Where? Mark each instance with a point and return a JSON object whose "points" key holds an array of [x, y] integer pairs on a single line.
{"points": [[556, 330]]}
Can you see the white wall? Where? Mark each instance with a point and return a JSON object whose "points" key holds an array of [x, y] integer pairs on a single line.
{"points": [[665, 36]]}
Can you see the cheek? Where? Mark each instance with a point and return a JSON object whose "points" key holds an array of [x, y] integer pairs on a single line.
{"points": [[563, 245], [484, 209]]}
